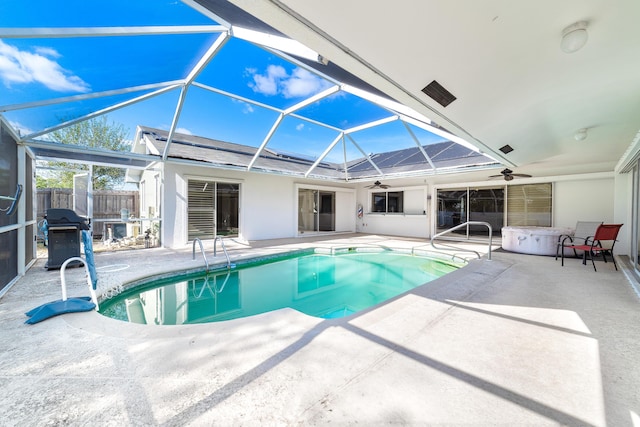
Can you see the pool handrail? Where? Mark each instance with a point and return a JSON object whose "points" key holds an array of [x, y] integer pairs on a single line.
{"points": [[193, 252], [63, 279], [215, 242], [464, 224]]}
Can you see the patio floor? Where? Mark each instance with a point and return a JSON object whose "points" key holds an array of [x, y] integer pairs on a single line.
{"points": [[518, 340]]}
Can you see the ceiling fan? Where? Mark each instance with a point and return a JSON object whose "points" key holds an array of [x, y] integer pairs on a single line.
{"points": [[377, 184], [508, 175]]}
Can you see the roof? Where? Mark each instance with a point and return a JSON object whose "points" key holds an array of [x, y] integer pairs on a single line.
{"points": [[225, 155]]}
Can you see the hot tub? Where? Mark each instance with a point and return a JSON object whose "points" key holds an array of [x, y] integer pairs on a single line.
{"points": [[534, 240]]}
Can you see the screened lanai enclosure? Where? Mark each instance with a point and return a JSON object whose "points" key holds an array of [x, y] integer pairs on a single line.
{"points": [[225, 91], [235, 129], [209, 69]]}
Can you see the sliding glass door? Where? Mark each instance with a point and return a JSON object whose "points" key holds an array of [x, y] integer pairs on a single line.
{"points": [[486, 205], [316, 210], [452, 210], [524, 205], [457, 206], [212, 209], [635, 258]]}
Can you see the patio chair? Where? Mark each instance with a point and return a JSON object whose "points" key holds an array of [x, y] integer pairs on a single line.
{"points": [[603, 242], [582, 236]]}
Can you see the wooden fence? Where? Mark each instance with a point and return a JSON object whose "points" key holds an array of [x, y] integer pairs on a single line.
{"points": [[107, 204]]}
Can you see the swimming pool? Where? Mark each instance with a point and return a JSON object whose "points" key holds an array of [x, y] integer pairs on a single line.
{"points": [[326, 285]]}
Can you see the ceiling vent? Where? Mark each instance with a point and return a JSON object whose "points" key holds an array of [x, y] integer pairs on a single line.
{"points": [[438, 93], [506, 149]]}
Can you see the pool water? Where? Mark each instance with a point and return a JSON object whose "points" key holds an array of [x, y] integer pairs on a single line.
{"points": [[320, 285]]}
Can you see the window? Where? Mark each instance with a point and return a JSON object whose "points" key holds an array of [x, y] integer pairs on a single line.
{"points": [[529, 204], [387, 202], [212, 209]]}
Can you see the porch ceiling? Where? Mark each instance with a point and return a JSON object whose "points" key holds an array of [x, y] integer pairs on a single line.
{"points": [[503, 62]]}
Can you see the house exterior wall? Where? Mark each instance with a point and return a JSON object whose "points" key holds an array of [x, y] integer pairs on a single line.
{"points": [[583, 199], [268, 203], [413, 222], [345, 211], [149, 194], [605, 199]]}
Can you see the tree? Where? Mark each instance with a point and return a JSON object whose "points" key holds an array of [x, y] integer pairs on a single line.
{"points": [[93, 133]]}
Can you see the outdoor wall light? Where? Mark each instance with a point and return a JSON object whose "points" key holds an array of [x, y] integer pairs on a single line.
{"points": [[574, 37]]}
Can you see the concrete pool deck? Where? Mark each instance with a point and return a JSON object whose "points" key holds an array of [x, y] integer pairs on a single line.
{"points": [[518, 340]]}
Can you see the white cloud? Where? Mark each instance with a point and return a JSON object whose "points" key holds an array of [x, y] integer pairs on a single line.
{"points": [[246, 107], [21, 67], [47, 51], [267, 83], [302, 83], [300, 126], [184, 131], [276, 81]]}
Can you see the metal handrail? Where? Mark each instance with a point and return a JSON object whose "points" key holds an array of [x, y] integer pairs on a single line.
{"points": [[206, 285], [63, 277], [464, 224], [226, 279], [215, 242], [193, 252]]}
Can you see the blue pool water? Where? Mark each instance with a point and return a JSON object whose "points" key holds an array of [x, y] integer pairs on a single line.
{"points": [[319, 285]]}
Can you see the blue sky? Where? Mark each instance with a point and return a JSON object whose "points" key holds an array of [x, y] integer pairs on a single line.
{"points": [[36, 69]]}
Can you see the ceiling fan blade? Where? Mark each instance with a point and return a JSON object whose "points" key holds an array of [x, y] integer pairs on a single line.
{"points": [[377, 184]]}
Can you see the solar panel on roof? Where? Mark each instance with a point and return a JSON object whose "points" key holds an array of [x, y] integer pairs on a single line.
{"points": [[453, 151]]}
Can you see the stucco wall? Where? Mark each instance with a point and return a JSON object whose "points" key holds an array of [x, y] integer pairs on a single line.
{"points": [[583, 200], [600, 199], [413, 222], [268, 204], [267, 209]]}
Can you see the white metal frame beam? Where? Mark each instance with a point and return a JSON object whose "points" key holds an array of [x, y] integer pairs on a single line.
{"points": [[284, 47], [367, 156], [99, 113], [74, 98], [215, 47], [325, 93], [266, 140], [324, 154], [419, 145]]}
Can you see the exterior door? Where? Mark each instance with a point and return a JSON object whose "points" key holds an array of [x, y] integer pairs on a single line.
{"points": [[316, 210], [460, 205]]}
